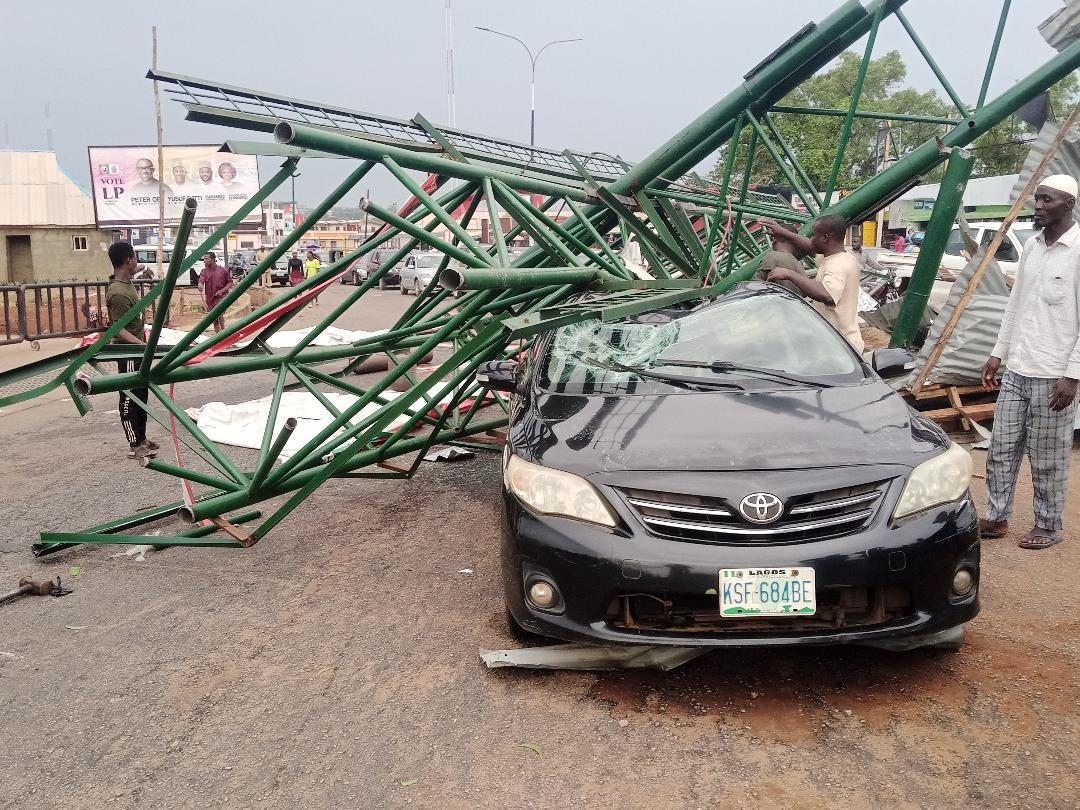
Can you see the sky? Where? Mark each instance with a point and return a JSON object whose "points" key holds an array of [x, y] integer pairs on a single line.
{"points": [[642, 71]]}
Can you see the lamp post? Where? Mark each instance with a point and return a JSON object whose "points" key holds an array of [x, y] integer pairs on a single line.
{"points": [[532, 81]]}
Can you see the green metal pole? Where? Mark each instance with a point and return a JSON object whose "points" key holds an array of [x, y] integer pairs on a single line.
{"points": [[496, 226], [809, 202], [267, 461], [849, 119], [932, 64], [501, 278], [993, 53], [751, 149], [161, 310], [424, 235], [437, 210], [310, 137], [871, 114], [950, 198], [191, 475], [223, 461], [785, 147]]}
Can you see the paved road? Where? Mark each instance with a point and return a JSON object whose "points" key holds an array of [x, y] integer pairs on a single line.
{"points": [[335, 664]]}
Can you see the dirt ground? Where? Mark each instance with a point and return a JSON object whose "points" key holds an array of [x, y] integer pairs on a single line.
{"points": [[335, 664]]}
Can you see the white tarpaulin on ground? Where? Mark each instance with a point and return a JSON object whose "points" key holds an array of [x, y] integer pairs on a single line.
{"points": [[285, 339], [242, 424]]}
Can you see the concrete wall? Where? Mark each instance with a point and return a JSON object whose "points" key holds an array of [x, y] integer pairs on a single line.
{"points": [[53, 256]]}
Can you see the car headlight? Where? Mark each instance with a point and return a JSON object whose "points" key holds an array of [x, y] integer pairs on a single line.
{"points": [[554, 492], [942, 479]]}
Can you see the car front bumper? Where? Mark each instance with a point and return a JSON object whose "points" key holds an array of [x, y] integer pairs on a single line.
{"points": [[598, 572]]}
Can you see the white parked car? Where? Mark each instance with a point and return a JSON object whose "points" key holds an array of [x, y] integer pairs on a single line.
{"points": [[146, 256], [419, 270], [956, 257]]}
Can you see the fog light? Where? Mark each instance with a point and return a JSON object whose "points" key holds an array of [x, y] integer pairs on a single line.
{"points": [[542, 594], [962, 582]]}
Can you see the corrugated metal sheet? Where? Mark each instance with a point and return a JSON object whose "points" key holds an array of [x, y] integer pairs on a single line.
{"points": [[1059, 30], [35, 192], [1062, 27], [976, 332]]}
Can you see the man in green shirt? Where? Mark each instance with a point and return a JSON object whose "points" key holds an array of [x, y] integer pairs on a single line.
{"points": [[120, 298]]}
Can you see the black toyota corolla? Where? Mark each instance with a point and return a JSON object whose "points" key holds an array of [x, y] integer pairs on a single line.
{"points": [[728, 473]]}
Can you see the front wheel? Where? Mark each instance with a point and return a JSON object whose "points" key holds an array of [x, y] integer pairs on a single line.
{"points": [[382, 283], [404, 290]]}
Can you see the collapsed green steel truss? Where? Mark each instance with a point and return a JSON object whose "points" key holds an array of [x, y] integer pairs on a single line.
{"points": [[696, 238]]}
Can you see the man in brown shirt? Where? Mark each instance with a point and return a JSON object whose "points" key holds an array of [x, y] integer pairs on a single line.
{"points": [[216, 281], [120, 298]]}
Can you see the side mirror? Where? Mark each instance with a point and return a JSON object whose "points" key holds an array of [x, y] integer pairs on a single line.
{"points": [[498, 375], [891, 362]]}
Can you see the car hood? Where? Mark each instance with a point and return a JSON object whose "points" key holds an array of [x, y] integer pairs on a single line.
{"points": [[788, 428]]}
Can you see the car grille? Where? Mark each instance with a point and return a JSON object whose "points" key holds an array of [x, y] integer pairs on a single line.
{"points": [[705, 519], [837, 608]]}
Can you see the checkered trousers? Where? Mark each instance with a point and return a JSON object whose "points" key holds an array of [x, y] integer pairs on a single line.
{"points": [[1023, 420]]}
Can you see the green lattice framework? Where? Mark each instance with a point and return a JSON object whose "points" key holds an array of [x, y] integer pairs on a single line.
{"points": [[697, 238]]}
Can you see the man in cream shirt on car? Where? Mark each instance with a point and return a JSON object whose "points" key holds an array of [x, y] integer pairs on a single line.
{"points": [[1039, 343], [834, 291]]}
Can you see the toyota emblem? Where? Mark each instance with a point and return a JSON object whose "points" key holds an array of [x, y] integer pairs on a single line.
{"points": [[761, 507]]}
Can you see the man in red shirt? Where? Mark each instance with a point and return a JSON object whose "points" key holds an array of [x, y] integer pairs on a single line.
{"points": [[215, 281]]}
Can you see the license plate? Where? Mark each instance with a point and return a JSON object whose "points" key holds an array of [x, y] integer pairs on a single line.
{"points": [[752, 592]]}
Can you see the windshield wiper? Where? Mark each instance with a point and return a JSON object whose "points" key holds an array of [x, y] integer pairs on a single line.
{"points": [[673, 379], [723, 366]]}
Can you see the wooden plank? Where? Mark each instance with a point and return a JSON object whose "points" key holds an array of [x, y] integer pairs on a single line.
{"points": [[958, 406], [937, 391], [235, 532], [974, 412]]}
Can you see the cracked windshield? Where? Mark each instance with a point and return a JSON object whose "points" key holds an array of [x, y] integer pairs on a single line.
{"points": [[735, 344]]}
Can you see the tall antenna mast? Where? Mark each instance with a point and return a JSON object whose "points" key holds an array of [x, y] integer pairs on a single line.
{"points": [[450, 103]]}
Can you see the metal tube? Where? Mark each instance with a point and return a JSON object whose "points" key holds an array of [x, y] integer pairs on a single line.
{"points": [[190, 475], [424, 235], [993, 52], [496, 226], [871, 114], [437, 210], [810, 203], [950, 198], [314, 138], [849, 119], [267, 461], [789, 152], [932, 64], [223, 461], [501, 278], [161, 309]]}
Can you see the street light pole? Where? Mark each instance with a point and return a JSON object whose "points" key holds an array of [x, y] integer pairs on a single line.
{"points": [[532, 80]]}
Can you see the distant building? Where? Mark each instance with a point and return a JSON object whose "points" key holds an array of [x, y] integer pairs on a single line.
{"points": [[985, 198], [47, 228]]}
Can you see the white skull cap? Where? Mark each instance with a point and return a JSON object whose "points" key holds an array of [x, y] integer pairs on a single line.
{"points": [[1062, 182]]}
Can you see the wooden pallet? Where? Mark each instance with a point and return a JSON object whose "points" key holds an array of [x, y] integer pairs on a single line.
{"points": [[954, 411]]}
